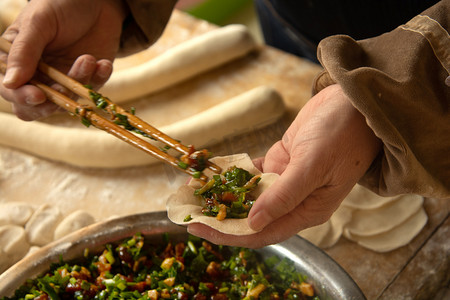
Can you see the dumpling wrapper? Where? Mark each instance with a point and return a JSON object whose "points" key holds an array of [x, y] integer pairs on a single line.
{"points": [[363, 198], [370, 222], [327, 234], [184, 202], [395, 238]]}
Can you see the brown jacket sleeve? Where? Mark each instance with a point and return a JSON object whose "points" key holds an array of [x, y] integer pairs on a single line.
{"points": [[397, 81], [145, 24]]}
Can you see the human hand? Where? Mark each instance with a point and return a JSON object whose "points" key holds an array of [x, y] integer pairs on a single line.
{"points": [[60, 32], [322, 155]]}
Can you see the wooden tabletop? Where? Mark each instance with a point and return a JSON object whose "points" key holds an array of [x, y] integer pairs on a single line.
{"points": [[414, 271]]}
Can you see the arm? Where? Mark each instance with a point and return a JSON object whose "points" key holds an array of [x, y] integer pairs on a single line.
{"points": [[322, 155], [380, 117], [397, 81]]}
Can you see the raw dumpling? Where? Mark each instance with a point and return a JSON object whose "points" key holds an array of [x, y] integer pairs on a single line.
{"points": [[76, 220]]}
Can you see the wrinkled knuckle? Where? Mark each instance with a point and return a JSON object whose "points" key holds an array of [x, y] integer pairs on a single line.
{"points": [[284, 201]]}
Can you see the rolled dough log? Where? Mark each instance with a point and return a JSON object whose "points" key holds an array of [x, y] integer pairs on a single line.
{"points": [[9, 10], [41, 226], [181, 62], [91, 147], [5, 106], [74, 221], [16, 213]]}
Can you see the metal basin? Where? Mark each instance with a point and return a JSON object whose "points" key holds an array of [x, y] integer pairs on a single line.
{"points": [[328, 278]]}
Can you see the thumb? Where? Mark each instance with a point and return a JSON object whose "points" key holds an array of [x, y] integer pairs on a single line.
{"points": [[27, 46], [282, 197]]}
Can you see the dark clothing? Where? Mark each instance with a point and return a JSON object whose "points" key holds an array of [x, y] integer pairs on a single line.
{"points": [[297, 26]]}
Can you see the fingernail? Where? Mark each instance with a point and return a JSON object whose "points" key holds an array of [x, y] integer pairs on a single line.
{"points": [[258, 221], [11, 76], [31, 100]]}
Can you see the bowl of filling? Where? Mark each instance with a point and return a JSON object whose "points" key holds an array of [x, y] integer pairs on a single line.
{"points": [[146, 256]]}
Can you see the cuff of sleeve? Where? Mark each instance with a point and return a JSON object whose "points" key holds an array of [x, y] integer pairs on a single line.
{"points": [[144, 24], [397, 82]]}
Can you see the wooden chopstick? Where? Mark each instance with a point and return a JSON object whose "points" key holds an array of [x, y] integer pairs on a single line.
{"points": [[100, 122]]}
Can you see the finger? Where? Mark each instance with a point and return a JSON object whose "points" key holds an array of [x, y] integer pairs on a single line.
{"points": [[26, 50], [277, 232], [83, 69], [30, 33], [256, 240], [259, 163], [27, 113], [26, 95], [281, 197], [276, 159], [314, 210], [102, 73]]}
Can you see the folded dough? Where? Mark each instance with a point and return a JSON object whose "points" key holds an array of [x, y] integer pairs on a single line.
{"points": [[41, 226], [17, 213], [13, 245], [74, 221]]}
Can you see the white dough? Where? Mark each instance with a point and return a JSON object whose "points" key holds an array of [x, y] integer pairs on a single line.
{"points": [[13, 245], [396, 237], [91, 147], [32, 250], [16, 213], [317, 234], [41, 226], [5, 261], [5, 106], [327, 234], [9, 10], [364, 217], [363, 198], [384, 218], [76, 220], [181, 62]]}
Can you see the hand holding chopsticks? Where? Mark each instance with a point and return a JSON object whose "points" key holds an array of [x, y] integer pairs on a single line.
{"points": [[123, 122]]}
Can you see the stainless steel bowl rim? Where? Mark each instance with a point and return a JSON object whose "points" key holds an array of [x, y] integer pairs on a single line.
{"points": [[328, 278]]}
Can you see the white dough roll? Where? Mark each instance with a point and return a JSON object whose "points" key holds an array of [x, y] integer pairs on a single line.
{"points": [[90, 147], [181, 62]]}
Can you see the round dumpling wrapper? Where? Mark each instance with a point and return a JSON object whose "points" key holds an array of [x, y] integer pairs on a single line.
{"points": [[184, 203], [395, 238]]}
